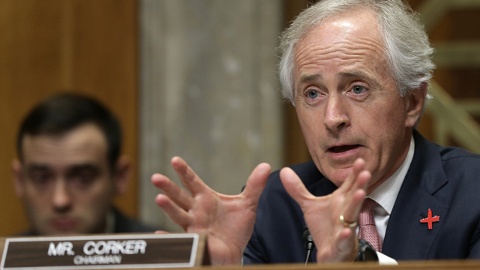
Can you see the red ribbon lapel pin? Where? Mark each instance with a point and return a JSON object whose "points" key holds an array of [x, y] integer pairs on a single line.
{"points": [[430, 219]]}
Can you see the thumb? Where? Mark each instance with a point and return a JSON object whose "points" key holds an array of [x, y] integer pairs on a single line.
{"points": [[294, 186], [257, 181]]}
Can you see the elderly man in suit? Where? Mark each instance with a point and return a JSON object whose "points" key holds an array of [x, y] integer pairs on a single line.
{"points": [[357, 72]]}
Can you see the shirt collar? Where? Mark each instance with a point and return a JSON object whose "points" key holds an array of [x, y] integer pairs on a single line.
{"points": [[386, 194]]}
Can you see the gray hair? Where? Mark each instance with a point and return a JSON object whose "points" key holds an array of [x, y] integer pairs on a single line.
{"points": [[406, 42]]}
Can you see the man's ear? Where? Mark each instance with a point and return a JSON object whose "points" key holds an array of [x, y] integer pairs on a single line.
{"points": [[18, 178], [122, 174], [415, 104]]}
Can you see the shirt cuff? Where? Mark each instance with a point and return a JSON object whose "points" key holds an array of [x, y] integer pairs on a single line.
{"points": [[385, 260]]}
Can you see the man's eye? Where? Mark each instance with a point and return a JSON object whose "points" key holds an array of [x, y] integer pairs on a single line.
{"points": [[39, 179], [358, 89], [312, 94], [82, 179]]}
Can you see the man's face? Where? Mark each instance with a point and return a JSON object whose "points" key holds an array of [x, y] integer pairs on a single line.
{"points": [[65, 182], [346, 100]]}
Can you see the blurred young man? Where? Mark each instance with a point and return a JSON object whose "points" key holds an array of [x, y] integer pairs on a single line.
{"points": [[70, 168]]}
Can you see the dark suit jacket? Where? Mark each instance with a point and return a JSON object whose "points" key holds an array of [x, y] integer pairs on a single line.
{"points": [[445, 180], [123, 224]]}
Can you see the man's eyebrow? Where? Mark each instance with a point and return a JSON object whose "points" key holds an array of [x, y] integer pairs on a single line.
{"points": [[350, 74], [310, 78], [357, 74], [36, 167], [81, 167]]}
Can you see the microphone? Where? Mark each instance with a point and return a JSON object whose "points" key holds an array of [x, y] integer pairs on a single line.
{"points": [[309, 244]]}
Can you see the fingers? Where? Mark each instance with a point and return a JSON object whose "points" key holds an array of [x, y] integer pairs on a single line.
{"points": [[174, 201], [177, 214], [354, 189], [189, 178], [353, 206], [178, 203], [361, 176], [352, 182], [173, 191]]}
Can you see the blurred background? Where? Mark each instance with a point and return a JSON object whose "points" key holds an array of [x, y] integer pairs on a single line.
{"points": [[198, 79]]}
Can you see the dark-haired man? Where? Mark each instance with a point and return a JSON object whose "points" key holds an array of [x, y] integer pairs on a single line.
{"points": [[70, 168]]}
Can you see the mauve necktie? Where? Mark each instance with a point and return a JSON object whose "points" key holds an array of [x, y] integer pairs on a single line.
{"points": [[368, 230]]}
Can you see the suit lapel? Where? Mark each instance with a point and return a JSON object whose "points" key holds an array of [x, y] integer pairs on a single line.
{"points": [[406, 237]]}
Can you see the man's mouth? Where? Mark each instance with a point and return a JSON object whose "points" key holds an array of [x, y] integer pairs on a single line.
{"points": [[342, 148], [63, 224]]}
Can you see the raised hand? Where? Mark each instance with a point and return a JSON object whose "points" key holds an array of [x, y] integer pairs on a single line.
{"points": [[335, 240], [227, 220]]}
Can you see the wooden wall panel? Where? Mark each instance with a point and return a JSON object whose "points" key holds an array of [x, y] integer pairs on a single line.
{"points": [[48, 46]]}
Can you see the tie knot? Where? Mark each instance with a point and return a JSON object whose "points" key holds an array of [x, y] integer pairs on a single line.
{"points": [[368, 205]]}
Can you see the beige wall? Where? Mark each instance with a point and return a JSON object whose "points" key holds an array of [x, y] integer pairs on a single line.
{"points": [[209, 91]]}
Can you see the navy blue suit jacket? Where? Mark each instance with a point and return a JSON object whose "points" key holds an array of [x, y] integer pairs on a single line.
{"points": [[445, 180]]}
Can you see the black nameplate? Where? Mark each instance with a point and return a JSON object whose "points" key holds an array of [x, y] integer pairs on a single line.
{"points": [[104, 251]]}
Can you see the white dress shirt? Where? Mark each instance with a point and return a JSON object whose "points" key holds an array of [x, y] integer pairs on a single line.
{"points": [[385, 195]]}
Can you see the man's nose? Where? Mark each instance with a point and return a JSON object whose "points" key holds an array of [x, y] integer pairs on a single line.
{"points": [[61, 196], [336, 115]]}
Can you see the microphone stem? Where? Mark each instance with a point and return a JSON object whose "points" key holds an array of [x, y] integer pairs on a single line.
{"points": [[309, 251]]}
